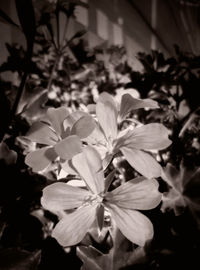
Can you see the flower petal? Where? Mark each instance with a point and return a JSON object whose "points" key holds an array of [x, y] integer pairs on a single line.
{"points": [[42, 133], [72, 118], [107, 160], [96, 137], [106, 111], [121, 91], [132, 224], [130, 103], [83, 127], [142, 162], [89, 166], [150, 136], [98, 141], [68, 167], [139, 193], [61, 196], [56, 117], [72, 228], [68, 147], [40, 159]]}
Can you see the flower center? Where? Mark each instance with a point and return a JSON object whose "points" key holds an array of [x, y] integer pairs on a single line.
{"points": [[92, 199]]}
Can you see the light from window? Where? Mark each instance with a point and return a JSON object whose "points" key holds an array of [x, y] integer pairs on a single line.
{"points": [[81, 14], [117, 34], [102, 25]]}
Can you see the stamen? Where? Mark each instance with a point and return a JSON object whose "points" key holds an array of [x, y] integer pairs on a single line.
{"points": [[92, 199]]}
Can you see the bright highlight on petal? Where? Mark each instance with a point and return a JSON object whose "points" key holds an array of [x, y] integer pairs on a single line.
{"points": [[139, 194], [72, 228], [106, 111], [132, 224], [61, 196]]}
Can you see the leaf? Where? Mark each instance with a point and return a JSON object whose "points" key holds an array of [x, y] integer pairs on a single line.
{"points": [[100, 217], [78, 34], [130, 103], [6, 19], [9, 156], [121, 255], [27, 20], [36, 109], [184, 186], [93, 259], [15, 259], [68, 7]]}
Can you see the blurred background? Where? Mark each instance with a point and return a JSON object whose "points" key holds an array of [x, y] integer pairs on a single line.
{"points": [[137, 25], [65, 53]]}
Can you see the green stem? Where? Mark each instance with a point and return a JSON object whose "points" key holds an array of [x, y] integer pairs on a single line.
{"points": [[52, 72], [58, 30], [19, 94], [65, 30]]}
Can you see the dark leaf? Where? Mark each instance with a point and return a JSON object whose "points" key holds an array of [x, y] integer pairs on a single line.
{"points": [[27, 20], [9, 156], [122, 254], [15, 259], [78, 34], [100, 217], [6, 19]]}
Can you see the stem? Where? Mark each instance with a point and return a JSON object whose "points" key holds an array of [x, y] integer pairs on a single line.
{"points": [[177, 97], [58, 30], [65, 30], [19, 94], [52, 72]]}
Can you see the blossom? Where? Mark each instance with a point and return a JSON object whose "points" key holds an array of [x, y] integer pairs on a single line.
{"points": [[132, 143], [87, 204], [59, 132]]}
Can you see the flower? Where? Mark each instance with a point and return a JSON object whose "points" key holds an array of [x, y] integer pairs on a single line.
{"points": [[122, 203], [132, 143], [60, 133]]}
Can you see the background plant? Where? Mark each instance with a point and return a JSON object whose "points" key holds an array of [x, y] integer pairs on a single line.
{"points": [[74, 77]]}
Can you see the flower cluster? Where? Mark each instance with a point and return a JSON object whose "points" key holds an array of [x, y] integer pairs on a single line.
{"points": [[60, 131], [88, 145]]}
